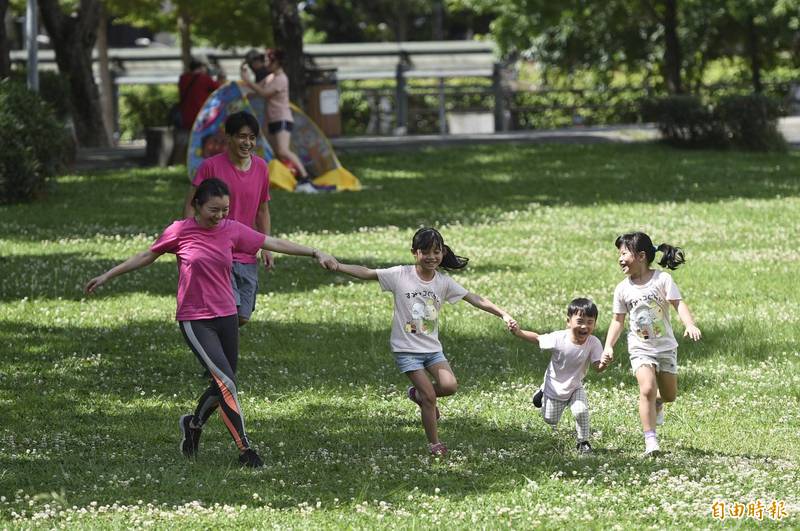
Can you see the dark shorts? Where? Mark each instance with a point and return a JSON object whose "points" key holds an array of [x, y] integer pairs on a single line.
{"points": [[283, 125], [244, 280]]}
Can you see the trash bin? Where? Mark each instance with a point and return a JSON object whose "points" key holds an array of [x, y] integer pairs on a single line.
{"points": [[323, 100]]}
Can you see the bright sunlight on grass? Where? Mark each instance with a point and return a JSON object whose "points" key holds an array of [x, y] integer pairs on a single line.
{"points": [[91, 389]]}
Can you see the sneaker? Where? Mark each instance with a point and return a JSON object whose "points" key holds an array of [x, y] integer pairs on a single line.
{"points": [[651, 448], [249, 458], [584, 448], [537, 397], [438, 449], [306, 187], [659, 414], [190, 437], [411, 392]]}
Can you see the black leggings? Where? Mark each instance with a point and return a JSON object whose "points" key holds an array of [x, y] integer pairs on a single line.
{"points": [[215, 342]]}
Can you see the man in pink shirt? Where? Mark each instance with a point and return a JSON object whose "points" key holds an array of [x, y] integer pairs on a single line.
{"points": [[247, 177]]}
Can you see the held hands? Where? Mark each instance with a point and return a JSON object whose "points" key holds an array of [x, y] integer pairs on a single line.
{"points": [[693, 332], [325, 260], [512, 325], [607, 359]]}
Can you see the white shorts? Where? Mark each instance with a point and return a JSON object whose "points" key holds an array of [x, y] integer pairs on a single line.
{"points": [[662, 361]]}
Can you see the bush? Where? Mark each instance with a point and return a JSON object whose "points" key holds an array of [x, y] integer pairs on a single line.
{"points": [[143, 106], [34, 143], [684, 121], [53, 88], [751, 122], [743, 122]]}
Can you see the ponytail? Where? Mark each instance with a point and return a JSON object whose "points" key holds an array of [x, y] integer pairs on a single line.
{"points": [[671, 257], [451, 260], [639, 242]]}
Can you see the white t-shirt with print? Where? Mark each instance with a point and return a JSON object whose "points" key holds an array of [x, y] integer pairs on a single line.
{"points": [[415, 325], [647, 306], [568, 362]]}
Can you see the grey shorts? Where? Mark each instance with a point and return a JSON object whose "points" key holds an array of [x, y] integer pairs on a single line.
{"points": [[414, 361], [244, 280], [662, 361]]}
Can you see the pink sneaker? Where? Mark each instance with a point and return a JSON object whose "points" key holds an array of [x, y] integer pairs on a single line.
{"points": [[412, 395], [438, 449]]}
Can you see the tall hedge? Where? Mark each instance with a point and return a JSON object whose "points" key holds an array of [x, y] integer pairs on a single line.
{"points": [[34, 143]]}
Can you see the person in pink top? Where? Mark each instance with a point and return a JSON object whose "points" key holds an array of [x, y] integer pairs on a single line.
{"points": [[247, 177], [275, 88], [204, 245]]}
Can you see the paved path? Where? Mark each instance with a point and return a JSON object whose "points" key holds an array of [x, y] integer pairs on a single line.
{"points": [[131, 155]]}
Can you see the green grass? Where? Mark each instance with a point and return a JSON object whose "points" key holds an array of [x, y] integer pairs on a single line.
{"points": [[91, 389]]}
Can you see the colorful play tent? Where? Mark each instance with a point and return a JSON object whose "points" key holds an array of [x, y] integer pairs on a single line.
{"points": [[207, 138]]}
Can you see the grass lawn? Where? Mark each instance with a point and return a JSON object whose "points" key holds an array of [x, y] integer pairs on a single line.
{"points": [[91, 389]]}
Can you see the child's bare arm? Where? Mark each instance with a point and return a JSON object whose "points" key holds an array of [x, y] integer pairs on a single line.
{"points": [[614, 330], [486, 305], [364, 273], [686, 318], [527, 335]]}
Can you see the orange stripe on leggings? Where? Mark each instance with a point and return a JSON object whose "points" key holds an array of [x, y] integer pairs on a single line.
{"points": [[227, 396], [232, 429]]}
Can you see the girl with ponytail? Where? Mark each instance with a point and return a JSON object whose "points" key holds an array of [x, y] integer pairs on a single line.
{"points": [[646, 294], [419, 291]]}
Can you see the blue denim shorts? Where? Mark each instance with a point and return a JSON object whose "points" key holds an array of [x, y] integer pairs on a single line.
{"points": [[244, 281], [414, 361]]}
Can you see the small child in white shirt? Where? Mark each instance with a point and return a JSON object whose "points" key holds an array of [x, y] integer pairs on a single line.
{"points": [[572, 351]]}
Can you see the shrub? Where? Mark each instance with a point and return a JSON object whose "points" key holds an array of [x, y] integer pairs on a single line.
{"points": [[34, 143], [684, 121], [53, 88], [751, 122], [743, 122], [143, 106]]}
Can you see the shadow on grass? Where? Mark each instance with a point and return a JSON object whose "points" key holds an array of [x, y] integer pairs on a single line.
{"points": [[432, 187], [98, 407], [63, 276]]}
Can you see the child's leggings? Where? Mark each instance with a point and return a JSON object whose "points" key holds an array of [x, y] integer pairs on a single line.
{"points": [[215, 342], [578, 404]]}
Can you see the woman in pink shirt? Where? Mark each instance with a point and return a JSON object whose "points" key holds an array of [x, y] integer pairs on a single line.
{"points": [[204, 245], [275, 89]]}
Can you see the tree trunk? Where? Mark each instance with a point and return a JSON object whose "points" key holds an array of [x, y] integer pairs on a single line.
{"points": [[5, 59], [107, 89], [754, 52], [672, 48], [73, 39], [287, 31], [185, 31]]}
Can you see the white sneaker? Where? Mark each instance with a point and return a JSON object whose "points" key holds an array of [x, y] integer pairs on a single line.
{"points": [[306, 188], [660, 415], [651, 448]]}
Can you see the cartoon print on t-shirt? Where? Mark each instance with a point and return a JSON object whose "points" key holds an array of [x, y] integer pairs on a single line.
{"points": [[423, 317], [647, 320]]}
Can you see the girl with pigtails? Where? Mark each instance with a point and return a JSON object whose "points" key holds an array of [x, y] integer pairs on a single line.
{"points": [[419, 291], [646, 295]]}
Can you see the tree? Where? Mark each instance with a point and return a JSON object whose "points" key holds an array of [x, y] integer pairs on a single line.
{"points": [[73, 36], [288, 33], [5, 60]]}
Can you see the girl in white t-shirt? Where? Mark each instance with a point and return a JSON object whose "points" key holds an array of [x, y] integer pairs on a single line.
{"points": [[646, 295], [419, 291]]}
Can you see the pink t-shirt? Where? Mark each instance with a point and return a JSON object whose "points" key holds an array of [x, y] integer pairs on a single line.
{"points": [[204, 264], [248, 190], [278, 103]]}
